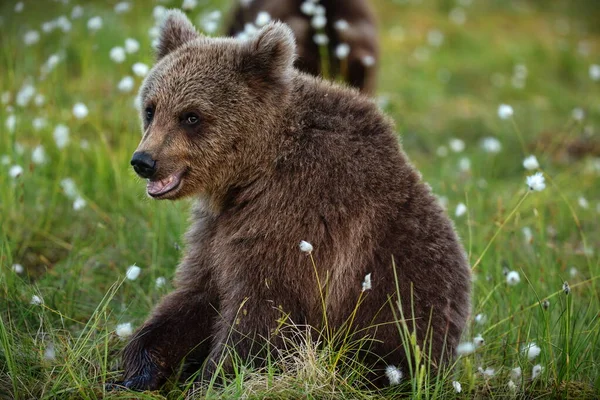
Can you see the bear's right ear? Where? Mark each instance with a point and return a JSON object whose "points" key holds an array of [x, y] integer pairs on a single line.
{"points": [[175, 30]]}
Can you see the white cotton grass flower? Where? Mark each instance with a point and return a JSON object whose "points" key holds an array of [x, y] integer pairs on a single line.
{"points": [[464, 164], [513, 278], [342, 51], [308, 7], [566, 288], [126, 84], [80, 110], [458, 16], [262, 19], [341, 25], [573, 272], [10, 123], [19, 148], [536, 371], [531, 163], [79, 203], [122, 7], [366, 285], [133, 272], [15, 171], [321, 39], [531, 350], [527, 234], [36, 300], [578, 114], [49, 26], [153, 32], [49, 65], [306, 247], [536, 182], [435, 37], [491, 145], [515, 373], [31, 37], [160, 281], [77, 12], [318, 21], [18, 269], [64, 24], [465, 348], [583, 203], [487, 373], [69, 188], [393, 374], [594, 72], [39, 99], [131, 45], [368, 61], [5, 159], [117, 54], [38, 155], [210, 22], [511, 386], [39, 123], [19, 7], [457, 386], [94, 24], [456, 145], [159, 13], [140, 69], [505, 111], [124, 330], [50, 352], [189, 5], [480, 319], [61, 136], [461, 209], [24, 95]]}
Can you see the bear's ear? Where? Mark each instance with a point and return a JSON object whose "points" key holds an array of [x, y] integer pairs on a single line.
{"points": [[270, 54], [175, 30]]}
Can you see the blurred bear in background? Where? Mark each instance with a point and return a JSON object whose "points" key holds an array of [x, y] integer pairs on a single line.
{"points": [[342, 32]]}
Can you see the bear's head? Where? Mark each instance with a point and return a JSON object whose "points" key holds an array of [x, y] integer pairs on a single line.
{"points": [[208, 105]]}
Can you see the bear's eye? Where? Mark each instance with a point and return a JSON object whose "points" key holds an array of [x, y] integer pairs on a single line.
{"points": [[149, 113], [191, 118]]}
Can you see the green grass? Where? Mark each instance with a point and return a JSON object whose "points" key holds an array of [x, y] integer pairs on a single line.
{"points": [[76, 260]]}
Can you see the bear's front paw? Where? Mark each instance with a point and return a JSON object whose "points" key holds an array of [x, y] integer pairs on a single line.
{"points": [[141, 372]]}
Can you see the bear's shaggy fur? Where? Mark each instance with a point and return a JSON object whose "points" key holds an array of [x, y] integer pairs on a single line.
{"points": [[272, 157], [359, 32]]}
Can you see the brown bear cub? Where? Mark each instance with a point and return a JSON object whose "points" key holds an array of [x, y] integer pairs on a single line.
{"points": [[274, 156], [350, 22]]}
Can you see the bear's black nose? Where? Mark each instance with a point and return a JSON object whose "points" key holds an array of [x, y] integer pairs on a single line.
{"points": [[143, 164]]}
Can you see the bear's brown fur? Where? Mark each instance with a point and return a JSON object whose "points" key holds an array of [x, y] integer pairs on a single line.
{"points": [[273, 157], [360, 34]]}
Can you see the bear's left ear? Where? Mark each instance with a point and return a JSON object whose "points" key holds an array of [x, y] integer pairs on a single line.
{"points": [[175, 30], [270, 54]]}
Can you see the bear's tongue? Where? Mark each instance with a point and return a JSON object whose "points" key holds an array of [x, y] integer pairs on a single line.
{"points": [[156, 188]]}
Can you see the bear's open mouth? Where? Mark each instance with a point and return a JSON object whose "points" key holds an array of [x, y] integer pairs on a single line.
{"points": [[163, 186]]}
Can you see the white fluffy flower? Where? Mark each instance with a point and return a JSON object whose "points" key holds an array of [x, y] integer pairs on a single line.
{"points": [[39, 99], [15, 171], [122, 7], [458, 16], [10, 123], [457, 145], [133, 272], [18, 268], [321, 39], [24, 95], [19, 7], [487, 373], [531, 350], [393, 374], [158, 13], [50, 353], [38, 155], [94, 24], [457, 386], [578, 114], [566, 288], [80, 110], [79, 203], [341, 25], [61, 136], [583, 203], [117, 54], [478, 341], [536, 371], [461, 209], [368, 61], [308, 7], [464, 164], [31, 37], [513, 278], [366, 285], [342, 50], [515, 373], [531, 163], [131, 45], [36, 300], [77, 12], [124, 330], [140, 69], [64, 24], [160, 281], [573, 272], [511, 386], [5, 159], [536, 182], [262, 18], [595, 72], [480, 319], [306, 247], [505, 111], [126, 84], [189, 4], [435, 37], [527, 234], [464, 349], [491, 145], [69, 188], [39, 123], [318, 21]]}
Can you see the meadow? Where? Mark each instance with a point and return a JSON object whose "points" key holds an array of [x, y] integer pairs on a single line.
{"points": [[475, 87]]}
